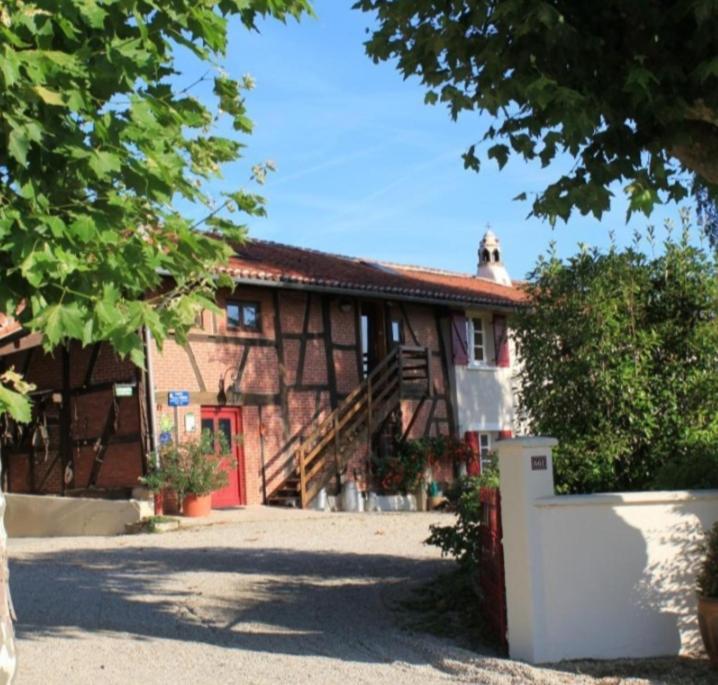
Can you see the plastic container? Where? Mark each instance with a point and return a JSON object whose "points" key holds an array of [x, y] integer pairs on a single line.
{"points": [[320, 502], [350, 496], [372, 502]]}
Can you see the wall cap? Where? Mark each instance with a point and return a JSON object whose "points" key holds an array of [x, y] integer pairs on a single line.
{"points": [[626, 498], [531, 442]]}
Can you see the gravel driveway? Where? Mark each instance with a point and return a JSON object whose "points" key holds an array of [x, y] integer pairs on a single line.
{"points": [[269, 596]]}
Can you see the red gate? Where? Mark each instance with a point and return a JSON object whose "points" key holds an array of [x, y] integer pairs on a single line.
{"points": [[491, 566]]}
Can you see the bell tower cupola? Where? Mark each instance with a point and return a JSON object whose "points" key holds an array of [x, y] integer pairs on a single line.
{"points": [[491, 264]]}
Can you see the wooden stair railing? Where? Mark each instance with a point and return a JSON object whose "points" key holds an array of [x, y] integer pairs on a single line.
{"points": [[322, 451]]}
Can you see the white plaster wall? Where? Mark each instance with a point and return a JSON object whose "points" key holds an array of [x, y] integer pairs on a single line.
{"points": [[48, 516], [619, 573], [484, 398], [597, 576]]}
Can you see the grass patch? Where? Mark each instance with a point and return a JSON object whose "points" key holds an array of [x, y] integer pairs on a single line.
{"points": [[447, 606], [152, 523]]}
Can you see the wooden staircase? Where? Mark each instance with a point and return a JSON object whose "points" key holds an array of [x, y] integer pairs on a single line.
{"points": [[323, 451]]}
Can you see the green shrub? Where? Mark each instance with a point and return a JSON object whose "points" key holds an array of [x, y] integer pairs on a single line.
{"points": [[192, 467], [619, 358], [156, 478], [404, 469], [707, 580], [461, 540], [698, 468]]}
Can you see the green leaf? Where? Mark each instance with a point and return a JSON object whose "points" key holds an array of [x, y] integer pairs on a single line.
{"points": [[48, 96], [57, 226], [471, 161], [431, 98], [60, 321], [242, 122], [83, 228], [9, 66], [16, 404], [19, 144], [92, 12], [104, 163], [500, 153]]}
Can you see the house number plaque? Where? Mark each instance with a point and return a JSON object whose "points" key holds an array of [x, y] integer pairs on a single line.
{"points": [[538, 463]]}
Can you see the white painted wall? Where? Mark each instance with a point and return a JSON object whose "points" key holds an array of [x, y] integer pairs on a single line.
{"points": [[45, 516], [484, 398], [485, 395], [598, 576]]}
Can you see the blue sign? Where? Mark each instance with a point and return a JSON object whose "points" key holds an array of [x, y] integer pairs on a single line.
{"points": [[178, 398]]}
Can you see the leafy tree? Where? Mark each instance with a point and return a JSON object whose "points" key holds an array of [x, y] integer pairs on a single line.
{"points": [[629, 89], [98, 143], [620, 363]]}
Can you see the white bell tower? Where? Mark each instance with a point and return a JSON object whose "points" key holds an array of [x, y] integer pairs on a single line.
{"points": [[491, 265]]}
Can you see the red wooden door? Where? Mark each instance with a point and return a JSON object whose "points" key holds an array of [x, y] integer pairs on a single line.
{"points": [[227, 421]]}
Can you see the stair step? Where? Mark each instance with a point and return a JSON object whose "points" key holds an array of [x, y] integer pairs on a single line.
{"points": [[291, 502]]}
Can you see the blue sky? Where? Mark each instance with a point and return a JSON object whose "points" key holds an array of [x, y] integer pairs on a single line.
{"points": [[365, 168]]}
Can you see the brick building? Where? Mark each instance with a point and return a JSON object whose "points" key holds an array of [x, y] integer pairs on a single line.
{"points": [[313, 362]]}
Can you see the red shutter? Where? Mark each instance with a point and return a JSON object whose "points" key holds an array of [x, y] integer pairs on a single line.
{"points": [[501, 341], [459, 344], [506, 434], [473, 468]]}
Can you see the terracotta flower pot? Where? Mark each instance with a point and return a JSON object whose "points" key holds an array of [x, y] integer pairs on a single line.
{"points": [[159, 503], [196, 505], [170, 502], [708, 622]]}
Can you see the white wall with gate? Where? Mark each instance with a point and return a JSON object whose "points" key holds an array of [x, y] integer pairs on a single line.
{"points": [[597, 576]]}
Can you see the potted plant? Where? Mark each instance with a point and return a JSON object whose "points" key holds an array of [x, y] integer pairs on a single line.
{"points": [[708, 595], [156, 481], [195, 471]]}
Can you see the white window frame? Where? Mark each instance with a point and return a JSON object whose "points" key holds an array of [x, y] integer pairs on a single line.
{"points": [[471, 318], [484, 450]]}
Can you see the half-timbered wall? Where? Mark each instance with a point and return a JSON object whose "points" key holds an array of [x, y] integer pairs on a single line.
{"points": [[305, 357], [83, 437], [303, 360]]}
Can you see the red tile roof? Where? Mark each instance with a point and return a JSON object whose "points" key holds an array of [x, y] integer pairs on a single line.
{"points": [[275, 263], [261, 260]]}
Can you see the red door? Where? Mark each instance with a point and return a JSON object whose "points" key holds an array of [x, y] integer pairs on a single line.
{"points": [[227, 421]]}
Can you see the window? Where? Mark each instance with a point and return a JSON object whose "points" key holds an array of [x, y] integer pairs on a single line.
{"points": [[477, 341], [208, 427], [485, 450], [243, 315], [365, 344], [396, 332]]}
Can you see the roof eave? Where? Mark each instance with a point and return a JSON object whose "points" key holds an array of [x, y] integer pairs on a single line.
{"points": [[379, 293]]}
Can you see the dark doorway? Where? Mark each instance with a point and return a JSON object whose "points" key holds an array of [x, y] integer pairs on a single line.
{"points": [[373, 335]]}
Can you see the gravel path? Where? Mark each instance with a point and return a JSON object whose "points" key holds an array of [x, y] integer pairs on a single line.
{"points": [[270, 596]]}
